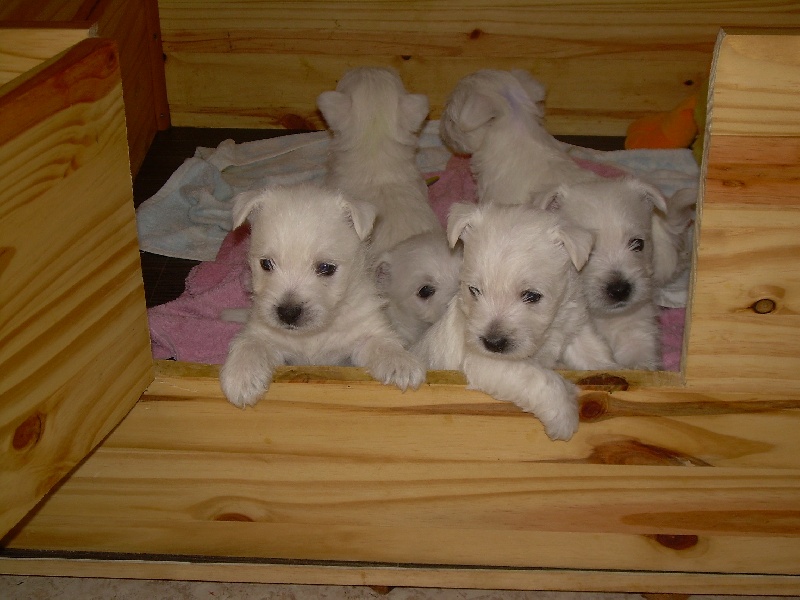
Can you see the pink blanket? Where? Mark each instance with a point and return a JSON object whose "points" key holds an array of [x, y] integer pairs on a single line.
{"points": [[190, 329]]}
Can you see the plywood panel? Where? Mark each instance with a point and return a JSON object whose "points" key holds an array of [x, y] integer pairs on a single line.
{"points": [[335, 471], [605, 63], [74, 342]]}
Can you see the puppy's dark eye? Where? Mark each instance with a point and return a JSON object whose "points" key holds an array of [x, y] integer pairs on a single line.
{"points": [[267, 264], [426, 291], [325, 269], [474, 291], [636, 245], [531, 297]]}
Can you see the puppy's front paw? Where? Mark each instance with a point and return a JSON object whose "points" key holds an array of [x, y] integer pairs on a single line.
{"points": [[561, 417], [396, 365], [244, 379]]}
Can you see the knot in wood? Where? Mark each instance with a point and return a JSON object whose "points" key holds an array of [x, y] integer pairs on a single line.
{"points": [[28, 433], [239, 517], [764, 306], [603, 381], [676, 542], [593, 407]]}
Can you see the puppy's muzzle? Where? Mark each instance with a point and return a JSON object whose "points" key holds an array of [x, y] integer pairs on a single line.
{"points": [[618, 290], [496, 343], [289, 313]]}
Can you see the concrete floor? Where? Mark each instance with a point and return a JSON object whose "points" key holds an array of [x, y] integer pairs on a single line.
{"points": [[45, 588]]}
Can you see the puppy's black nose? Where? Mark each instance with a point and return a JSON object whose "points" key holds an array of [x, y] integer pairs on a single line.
{"points": [[619, 290], [289, 313], [495, 343]]}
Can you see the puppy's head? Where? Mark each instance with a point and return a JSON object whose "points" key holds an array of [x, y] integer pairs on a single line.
{"points": [[306, 250], [371, 102], [518, 269], [486, 97], [419, 277], [619, 213]]}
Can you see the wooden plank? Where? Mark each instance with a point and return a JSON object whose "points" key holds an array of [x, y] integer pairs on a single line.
{"points": [[756, 86], [135, 28], [137, 35], [22, 49], [74, 342], [591, 55], [744, 324], [282, 89], [656, 479]]}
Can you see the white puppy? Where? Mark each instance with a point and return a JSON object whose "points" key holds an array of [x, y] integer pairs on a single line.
{"points": [[375, 125], [519, 312], [496, 116], [419, 277], [628, 219], [314, 296]]}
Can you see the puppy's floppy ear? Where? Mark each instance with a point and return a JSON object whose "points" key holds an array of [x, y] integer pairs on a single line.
{"points": [[551, 200], [535, 89], [461, 216], [477, 110], [671, 235], [334, 106], [413, 110], [649, 193], [577, 242], [361, 214], [245, 203]]}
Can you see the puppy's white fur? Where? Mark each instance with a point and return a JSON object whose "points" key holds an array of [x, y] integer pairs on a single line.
{"points": [[497, 117], [314, 296], [375, 125], [419, 277], [628, 219], [519, 312]]}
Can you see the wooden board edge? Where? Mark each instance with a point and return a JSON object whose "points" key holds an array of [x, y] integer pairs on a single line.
{"points": [[407, 576], [15, 96]]}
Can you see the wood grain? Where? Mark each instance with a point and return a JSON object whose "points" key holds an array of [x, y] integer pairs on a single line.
{"points": [[135, 28], [756, 84], [744, 320], [658, 479], [74, 343], [22, 49], [272, 59]]}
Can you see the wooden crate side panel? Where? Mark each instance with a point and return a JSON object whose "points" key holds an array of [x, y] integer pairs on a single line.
{"points": [[23, 49], [74, 341], [360, 472], [49, 10], [744, 323], [281, 90], [133, 26], [756, 86], [604, 64]]}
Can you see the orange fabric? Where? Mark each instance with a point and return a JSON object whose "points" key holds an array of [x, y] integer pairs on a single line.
{"points": [[672, 129]]}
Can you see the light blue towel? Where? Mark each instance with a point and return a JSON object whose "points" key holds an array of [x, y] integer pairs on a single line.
{"points": [[190, 216]]}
